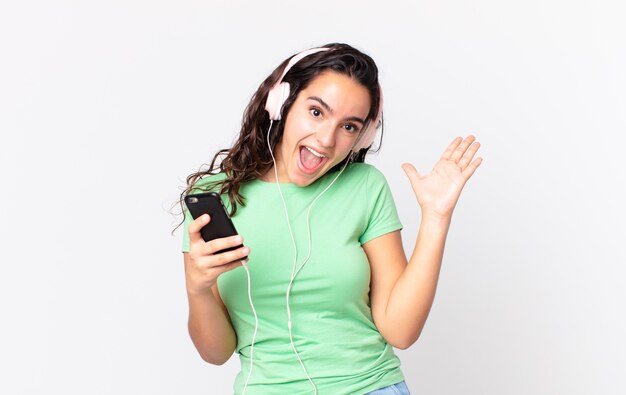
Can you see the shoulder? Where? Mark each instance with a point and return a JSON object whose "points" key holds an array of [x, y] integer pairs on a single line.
{"points": [[366, 173], [209, 182]]}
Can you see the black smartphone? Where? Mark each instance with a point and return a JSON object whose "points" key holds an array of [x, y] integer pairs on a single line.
{"points": [[220, 225]]}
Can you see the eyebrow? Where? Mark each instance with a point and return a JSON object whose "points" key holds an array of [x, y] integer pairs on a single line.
{"points": [[330, 110]]}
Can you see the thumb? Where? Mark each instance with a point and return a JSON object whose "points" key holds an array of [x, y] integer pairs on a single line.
{"points": [[411, 172]]}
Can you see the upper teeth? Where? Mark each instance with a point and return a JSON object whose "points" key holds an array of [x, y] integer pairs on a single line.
{"points": [[315, 153]]}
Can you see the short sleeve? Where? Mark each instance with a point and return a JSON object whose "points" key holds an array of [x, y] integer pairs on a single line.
{"points": [[188, 220], [382, 214]]}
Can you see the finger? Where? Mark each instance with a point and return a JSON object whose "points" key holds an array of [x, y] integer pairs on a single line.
{"points": [[469, 171], [195, 226], [460, 150], [212, 246], [411, 172], [229, 266], [230, 256], [448, 152], [468, 155]]}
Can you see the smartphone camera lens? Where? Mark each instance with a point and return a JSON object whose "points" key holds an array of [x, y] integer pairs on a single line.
{"points": [[193, 200]]}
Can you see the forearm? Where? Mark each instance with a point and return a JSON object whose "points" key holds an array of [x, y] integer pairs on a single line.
{"points": [[210, 329], [412, 296]]}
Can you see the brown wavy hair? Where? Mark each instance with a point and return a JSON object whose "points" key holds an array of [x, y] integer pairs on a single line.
{"points": [[249, 158]]}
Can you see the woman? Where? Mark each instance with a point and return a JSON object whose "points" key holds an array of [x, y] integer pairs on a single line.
{"points": [[326, 291]]}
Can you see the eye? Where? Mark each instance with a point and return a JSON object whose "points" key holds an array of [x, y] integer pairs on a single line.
{"points": [[315, 112], [352, 128]]}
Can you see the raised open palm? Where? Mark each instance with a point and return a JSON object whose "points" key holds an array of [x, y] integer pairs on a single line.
{"points": [[439, 191]]}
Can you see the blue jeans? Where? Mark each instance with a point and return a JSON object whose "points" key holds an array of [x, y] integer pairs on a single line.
{"points": [[396, 389]]}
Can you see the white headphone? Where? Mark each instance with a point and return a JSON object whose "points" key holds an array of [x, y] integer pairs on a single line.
{"points": [[279, 93]]}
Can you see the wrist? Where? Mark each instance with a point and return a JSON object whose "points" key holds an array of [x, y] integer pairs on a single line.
{"points": [[194, 293], [436, 219]]}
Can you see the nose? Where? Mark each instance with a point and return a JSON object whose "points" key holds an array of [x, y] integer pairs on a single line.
{"points": [[325, 134]]}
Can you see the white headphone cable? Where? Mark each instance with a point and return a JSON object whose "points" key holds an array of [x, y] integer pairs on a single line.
{"points": [[293, 277], [256, 325], [294, 272], [309, 234], [295, 256]]}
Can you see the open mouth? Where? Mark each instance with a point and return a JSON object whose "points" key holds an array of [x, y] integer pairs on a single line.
{"points": [[311, 161]]}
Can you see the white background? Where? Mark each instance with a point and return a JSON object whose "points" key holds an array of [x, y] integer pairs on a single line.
{"points": [[106, 107]]}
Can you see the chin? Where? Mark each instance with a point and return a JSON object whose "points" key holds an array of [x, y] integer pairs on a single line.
{"points": [[304, 182]]}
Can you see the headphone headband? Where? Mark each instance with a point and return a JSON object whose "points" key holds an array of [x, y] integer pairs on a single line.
{"points": [[296, 58]]}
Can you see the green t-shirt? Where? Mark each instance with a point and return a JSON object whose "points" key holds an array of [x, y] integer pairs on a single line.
{"points": [[332, 324]]}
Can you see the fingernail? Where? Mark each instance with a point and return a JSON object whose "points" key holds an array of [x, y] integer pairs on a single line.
{"points": [[238, 239]]}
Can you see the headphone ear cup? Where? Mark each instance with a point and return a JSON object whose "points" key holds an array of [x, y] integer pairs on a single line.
{"points": [[367, 138], [276, 97], [369, 134]]}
